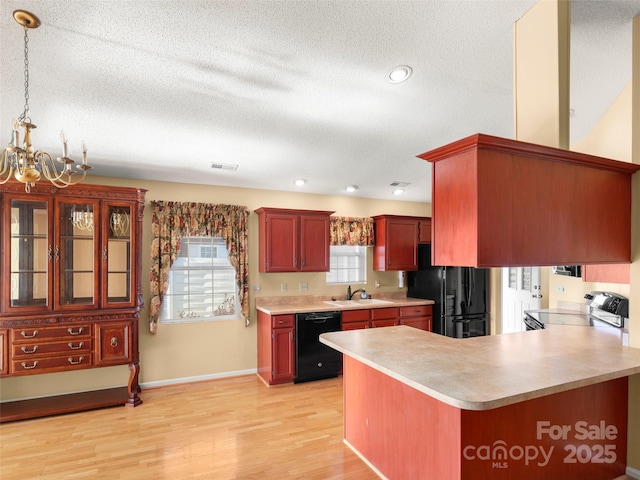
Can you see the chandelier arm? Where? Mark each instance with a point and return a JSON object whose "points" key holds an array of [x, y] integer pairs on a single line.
{"points": [[6, 166]]}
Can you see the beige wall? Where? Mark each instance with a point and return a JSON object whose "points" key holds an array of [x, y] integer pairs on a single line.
{"points": [[189, 351]]}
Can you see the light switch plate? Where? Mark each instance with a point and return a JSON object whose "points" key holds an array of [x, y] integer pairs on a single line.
{"points": [[283, 287], [303, 286]]}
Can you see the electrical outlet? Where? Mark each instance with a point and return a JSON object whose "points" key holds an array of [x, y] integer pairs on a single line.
{"points": [[255, 287], [283, 287], [303, 286]]}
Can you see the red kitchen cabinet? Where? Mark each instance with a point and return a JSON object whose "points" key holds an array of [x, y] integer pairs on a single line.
{"points": [[500, 202], [355, 319], [424, 230], [369, 318], [419, 316], [276, 348], [397, 239], [384, 317], [293, 240]]}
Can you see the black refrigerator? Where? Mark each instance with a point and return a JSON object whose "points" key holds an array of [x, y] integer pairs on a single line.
{"points": [[461, 296]]}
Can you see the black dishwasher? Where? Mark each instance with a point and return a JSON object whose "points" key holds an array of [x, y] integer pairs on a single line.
{"points": [[315, 360]]}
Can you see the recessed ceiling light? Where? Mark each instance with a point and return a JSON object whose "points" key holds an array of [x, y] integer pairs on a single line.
{"points": [[400, 73], [300, 181], [351, 188], [398, 191]]}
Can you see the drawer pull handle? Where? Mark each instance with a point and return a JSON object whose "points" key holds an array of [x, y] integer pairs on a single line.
{"points": [[29, 367], [26, 335], [114, 341], [74, 362], [75, 332], [33, 350], [78, 347]]}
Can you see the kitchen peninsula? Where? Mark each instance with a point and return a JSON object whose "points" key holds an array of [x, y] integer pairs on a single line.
{"points": [[526, 405]]}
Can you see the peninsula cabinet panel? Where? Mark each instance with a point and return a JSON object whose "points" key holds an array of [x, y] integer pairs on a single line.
{"points": [[70, 288], [500, 202], [293, 240]]}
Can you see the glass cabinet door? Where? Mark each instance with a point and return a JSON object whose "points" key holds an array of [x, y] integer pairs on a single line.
{"points": [[75, 254], [30, 254], [117, 255]]}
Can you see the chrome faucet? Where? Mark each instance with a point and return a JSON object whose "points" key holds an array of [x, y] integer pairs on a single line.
{"points": [[350, 294]]}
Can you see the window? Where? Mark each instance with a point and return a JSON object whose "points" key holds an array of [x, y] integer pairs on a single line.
{"points": [[347, 264], [202, 283]]}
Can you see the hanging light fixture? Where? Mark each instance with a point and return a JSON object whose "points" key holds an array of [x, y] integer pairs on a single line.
{"points": [[24, 163]]}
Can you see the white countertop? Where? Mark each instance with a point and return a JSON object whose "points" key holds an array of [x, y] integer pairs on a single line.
{"points": [[482, 373]]}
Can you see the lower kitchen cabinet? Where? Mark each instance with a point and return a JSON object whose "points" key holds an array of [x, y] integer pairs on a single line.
{"points": [[419, 316], [384, 317], [276, 348], [369, 318]]}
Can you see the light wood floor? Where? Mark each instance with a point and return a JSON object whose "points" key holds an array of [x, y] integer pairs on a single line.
{"points": [[234, 428]]}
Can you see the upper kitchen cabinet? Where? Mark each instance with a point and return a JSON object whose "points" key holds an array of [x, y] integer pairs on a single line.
{"points": [[500, 202], [397, 239], [293, 240]]}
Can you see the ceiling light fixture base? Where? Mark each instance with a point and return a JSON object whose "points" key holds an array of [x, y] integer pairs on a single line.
{"points": [[26, 19]]}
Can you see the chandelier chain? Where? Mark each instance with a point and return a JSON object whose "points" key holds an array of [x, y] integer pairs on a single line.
{"points": [[23, 117]]}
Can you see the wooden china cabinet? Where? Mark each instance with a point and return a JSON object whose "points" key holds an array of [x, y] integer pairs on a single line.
{"points": [[71, 289]]}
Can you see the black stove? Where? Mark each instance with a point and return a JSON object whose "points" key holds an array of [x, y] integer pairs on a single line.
{"points": [[603, 309]]}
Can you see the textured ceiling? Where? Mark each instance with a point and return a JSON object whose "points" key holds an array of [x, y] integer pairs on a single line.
{"points": [[162, 89]]}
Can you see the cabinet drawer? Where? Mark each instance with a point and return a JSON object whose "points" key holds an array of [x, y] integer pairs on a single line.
{"points": [[50, 364], [382, 313], [61, 332], [70, 347], [385, 322], [282, 321], [415, 311], [355, 315], [113, 343], [423, 323], [355, 325]]}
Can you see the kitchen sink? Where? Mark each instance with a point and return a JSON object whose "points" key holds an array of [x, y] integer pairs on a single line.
{"points": [[356, 303]]}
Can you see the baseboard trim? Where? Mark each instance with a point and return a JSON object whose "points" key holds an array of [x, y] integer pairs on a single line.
{"points": [[633, 472], [197, 378]]}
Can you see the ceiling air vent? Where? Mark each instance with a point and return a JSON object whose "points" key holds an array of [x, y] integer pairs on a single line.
{"points": [[399, 184], [224, 166]]}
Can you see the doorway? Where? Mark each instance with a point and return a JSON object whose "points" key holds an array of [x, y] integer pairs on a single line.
{"points": [[520, 291]]}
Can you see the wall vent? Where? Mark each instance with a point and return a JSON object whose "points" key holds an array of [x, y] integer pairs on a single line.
{"points": [[224, 166]]}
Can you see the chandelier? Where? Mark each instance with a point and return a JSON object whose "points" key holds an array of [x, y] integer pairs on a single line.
{"points": [[24, 163]]}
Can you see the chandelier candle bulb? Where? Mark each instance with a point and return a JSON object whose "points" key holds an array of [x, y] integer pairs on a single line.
{"points": [[84, 153], [16, 134], [63, 137]]}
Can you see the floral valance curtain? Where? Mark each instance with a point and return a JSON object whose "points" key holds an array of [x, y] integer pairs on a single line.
{"points": [[352, 231], [171, 221]]}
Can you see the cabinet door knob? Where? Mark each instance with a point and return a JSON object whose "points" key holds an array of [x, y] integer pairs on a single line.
{"points": [[114, 341]]}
